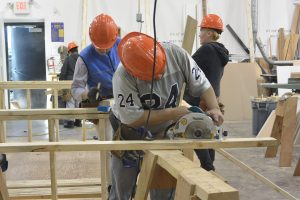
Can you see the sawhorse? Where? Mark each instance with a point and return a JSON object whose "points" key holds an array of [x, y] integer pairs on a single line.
{"points": [[283, 129]]}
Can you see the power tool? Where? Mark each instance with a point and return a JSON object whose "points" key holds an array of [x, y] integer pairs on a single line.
{"points": [[195, 125]]}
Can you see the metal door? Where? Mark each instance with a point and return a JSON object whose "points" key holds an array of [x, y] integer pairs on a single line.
{"points": [[25, 55]]}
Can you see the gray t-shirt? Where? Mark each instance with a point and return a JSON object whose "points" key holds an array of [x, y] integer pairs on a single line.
{"points": [[131, 95]]}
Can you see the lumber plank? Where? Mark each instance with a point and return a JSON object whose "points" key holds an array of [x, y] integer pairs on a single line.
{"points": [[146, 176], [280, 44], [185, 189], [136, 145], [208, 186], [29, 122], [3, 187], [295, 20], [189, 34], [65, 192], [52, 156], [276, 133], [297, 168], [294, 38], [286, 46], [255, 174], [35, 84], [288, 132], [162, 179], [47, 184], [266, 129], [250, 30], [103, 159]]}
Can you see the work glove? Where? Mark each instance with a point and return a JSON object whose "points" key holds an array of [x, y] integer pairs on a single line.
{"points": [[94, 95]]}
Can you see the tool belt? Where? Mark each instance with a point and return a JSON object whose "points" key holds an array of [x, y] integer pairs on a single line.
{"points": [[124, 132]]}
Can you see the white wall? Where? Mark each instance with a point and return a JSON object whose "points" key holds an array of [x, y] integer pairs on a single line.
{"points": [[170, 19]]}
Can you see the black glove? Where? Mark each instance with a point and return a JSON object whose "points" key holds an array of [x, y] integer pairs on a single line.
{"points": [[94, 95]]}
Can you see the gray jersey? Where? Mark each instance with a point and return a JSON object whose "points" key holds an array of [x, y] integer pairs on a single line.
{"points": [[132, 95]]}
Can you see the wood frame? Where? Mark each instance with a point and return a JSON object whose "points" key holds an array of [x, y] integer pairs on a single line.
{"points": [[54, 86], [54, 147]]}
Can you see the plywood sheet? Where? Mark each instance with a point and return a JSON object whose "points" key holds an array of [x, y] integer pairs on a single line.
{"points": [[238, 86]]}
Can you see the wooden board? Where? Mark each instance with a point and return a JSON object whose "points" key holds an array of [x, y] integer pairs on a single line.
{"points": [[146, 176], [207, 186], [297, 168], [3, 187], [286, 46], [189, 34], [288, 131], [256, 174], [136, 145], [266, 129], [295, 20], [65, 192], [60, 183], [238, 85], [35, 84], [280, 44], [290, 55]]}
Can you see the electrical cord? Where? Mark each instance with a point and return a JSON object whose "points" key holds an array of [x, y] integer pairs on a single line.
{"points": [[153, 68], [151, 90]]}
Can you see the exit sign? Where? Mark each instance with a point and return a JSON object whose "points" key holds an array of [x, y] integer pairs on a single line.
{"points": [[21, 7]]}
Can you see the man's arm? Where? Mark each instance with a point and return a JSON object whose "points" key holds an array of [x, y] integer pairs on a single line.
{"points": [[159, 116], [80, 77], [211, 102]]}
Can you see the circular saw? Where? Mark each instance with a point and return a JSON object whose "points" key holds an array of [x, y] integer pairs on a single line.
{"points": [[193, 126]]}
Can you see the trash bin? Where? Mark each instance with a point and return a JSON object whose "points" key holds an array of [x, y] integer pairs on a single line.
{"points": [[260, 113]]}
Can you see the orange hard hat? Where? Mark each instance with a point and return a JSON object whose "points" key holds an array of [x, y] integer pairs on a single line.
{"points": [[136, 52], [103, 32], [72, 45], [212, 21]]}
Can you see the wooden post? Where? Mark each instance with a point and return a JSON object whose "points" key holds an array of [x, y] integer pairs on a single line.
{"points": [[29, 122], [250, 31], [297, 169], [3, 187], [288, 132], [146, 176], [51, 129], [83, 130], [103, 158], [256, 174], [2, 123], [55, 93]]}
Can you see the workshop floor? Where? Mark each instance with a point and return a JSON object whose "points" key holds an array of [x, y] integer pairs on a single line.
{"points": [[74, 165]]}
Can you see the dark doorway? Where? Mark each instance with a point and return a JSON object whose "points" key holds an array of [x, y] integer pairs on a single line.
{"points": [[25, 60]]}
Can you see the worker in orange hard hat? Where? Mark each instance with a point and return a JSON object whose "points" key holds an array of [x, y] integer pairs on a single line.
{"points": [[96, 66], [67, 73], [132, 94], [211, 57], [71, 46], [97, 62]]}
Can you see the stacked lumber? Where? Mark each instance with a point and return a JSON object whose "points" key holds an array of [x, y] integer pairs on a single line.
{"points": [[287, 45]]}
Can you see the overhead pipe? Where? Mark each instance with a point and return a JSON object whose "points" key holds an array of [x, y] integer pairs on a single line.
{"points": [[268, 60]]}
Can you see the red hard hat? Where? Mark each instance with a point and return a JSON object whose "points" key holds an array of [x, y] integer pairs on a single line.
{"points": [[136, 52], [212, 21], [103, 32], [72, 45]]}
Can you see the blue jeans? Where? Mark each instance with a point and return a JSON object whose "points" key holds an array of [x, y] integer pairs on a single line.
{"points": [[206, 157], [124, 180]]}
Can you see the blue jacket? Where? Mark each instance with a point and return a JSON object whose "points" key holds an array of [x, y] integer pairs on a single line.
{"points": [[101, 68]]}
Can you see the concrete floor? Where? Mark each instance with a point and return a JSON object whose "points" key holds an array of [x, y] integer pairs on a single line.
{"points": [[72, 165]]}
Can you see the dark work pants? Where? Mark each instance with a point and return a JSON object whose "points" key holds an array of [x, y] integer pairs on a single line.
{"points": [[206, 157]]}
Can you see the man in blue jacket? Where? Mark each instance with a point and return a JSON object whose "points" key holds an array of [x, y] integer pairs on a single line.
{"points": [[98, 61]]}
